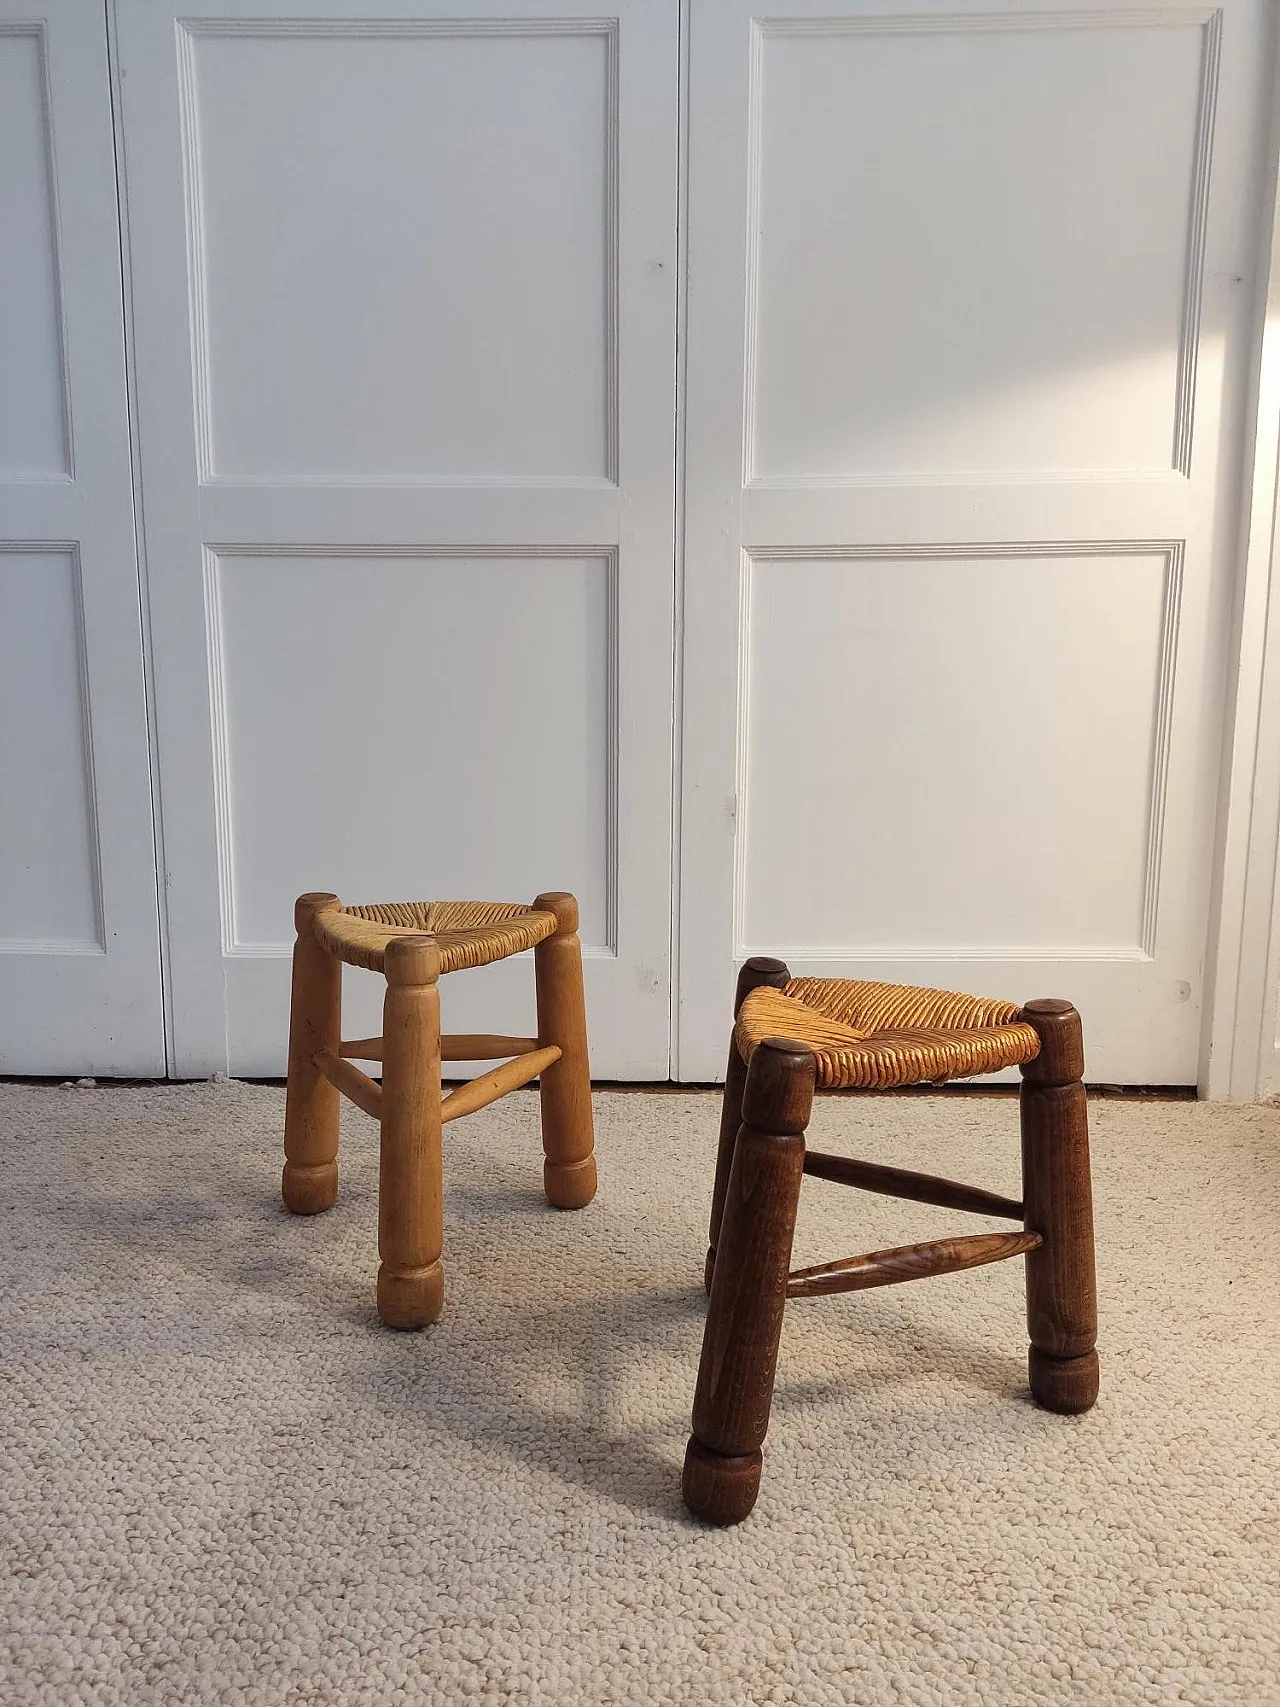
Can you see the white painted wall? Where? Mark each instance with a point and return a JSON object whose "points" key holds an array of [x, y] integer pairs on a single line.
{"points": [[979, 664]]}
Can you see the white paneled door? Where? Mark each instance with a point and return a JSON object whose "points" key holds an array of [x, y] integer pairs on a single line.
{"points": [[79, 943], [969, 322], [969, 337], [404, 301]]}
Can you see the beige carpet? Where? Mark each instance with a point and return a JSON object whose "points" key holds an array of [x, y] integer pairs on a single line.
{"points": [[221, 1481]]}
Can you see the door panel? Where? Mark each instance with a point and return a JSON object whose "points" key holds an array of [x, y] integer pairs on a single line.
{"points": [[79, 934], [853, 630], [969, 328], [409, 495]]}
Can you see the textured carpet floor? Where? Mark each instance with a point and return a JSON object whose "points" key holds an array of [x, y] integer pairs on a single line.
{"points": [[221, 1481]]}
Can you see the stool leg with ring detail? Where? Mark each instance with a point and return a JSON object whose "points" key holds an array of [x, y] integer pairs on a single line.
{"points": [[312, 1105], [749, 1286], [568, 1131], [410, 1183], [757, 971], [1062, 1309]]}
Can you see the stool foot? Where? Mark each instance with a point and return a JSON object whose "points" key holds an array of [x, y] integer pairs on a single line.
{"points": [[1067, 1385], [720, 1489], [411, 1298], [309, 1190], [569, 1185]]}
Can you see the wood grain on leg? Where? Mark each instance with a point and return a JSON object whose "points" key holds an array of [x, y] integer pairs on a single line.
{"points": [[568, 1130], [312, 1105], [410, 1183], [758, 970], [749, 1287], [1062, 1310]]}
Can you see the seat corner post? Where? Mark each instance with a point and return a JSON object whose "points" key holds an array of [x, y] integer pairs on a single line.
{"points": [[723, 1458], [410, 1182], [564, 1089], [1062, 1309], [312, 1108], [755, 972]]}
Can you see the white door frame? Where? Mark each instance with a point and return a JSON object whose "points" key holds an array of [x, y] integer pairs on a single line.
{"points": [[1239, 1058]]}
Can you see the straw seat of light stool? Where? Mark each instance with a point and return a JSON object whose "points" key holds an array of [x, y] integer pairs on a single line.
{"points": [[467, 933]]}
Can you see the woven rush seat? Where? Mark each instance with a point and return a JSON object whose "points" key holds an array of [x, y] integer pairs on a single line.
{"points": [[467, 933], [870, 1036]]}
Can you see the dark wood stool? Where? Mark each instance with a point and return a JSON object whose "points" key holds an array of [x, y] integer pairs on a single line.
{"points": [[793, 1034]]}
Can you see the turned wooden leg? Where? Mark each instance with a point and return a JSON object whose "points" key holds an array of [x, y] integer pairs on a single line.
{"points": [[311, 1104], [1062, 1308], [410, 1183], [749, 1288], [568, 1132], [757, 971]]}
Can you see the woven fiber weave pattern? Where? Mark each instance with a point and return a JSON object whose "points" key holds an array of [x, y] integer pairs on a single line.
{"points": [[869, 1036], [467, 933]]}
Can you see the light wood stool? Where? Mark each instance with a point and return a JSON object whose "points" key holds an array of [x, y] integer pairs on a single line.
{"points": [[839, 1033], [412, 944]]}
